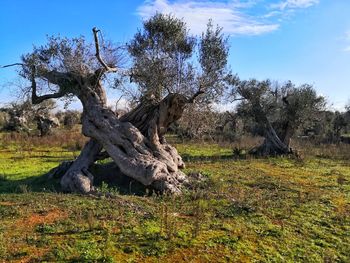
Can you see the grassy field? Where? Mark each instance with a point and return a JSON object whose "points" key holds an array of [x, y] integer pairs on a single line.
{"points": [[248, 210]]}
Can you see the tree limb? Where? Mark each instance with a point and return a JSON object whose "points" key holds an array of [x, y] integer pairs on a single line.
{"points": [[98, 55], [38, 99], [11, 65], [285, 100], [199, 92], [237, 99], [55, 77]]}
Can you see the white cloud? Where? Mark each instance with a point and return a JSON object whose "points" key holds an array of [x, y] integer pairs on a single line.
{"points": [[196, 14], [272, 14], [293, 4]]}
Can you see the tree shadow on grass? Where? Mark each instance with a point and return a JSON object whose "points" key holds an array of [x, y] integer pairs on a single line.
{"points": [[39, 183], [107, 179], [109, 175], [29, 184]]}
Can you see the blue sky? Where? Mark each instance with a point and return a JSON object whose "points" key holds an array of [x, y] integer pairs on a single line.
{"points": [[298, 40]]}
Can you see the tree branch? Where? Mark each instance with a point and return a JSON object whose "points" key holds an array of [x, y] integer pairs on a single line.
{"points": [[98, 55], [199, 92], [11, 65], [285, 100], [38, 99], [238, 99], [55, 77]]}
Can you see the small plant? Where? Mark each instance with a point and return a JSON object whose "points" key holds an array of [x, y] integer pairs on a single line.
{"points": [[341, 179], [90, 219], [23, 188], [3, 250], [238, 152], [90, 252], [226, 241], [44, 229], [341, 208], [168, 223], [106, 189], [199, 216]]}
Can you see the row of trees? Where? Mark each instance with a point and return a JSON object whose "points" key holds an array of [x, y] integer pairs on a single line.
{"points": [[39, 119], [170, 72], [199, 122]]}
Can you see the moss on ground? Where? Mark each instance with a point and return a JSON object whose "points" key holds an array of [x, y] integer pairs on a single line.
{"points": [[249, 210]]}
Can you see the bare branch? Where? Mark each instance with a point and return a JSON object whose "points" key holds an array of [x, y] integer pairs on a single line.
{"points": [[38, 99], [199, 92], [231, 115], [167, 88], [238, 99], [117, 102], [98, 55], [11, 65]]}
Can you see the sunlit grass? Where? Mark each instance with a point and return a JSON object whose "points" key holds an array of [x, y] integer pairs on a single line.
{"points": [[276, 209]]}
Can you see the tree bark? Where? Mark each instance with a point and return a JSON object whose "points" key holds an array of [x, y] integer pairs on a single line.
{"points": [[140, 150], [273, 144], [77, 178], [153, 121], [135, 142]]}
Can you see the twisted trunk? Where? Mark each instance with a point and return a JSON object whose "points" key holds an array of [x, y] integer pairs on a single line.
{"points": [[153, 121], [273, 144], [135, 143]]}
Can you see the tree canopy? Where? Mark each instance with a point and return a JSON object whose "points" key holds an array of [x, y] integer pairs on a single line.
{"points": [[278, 109], [167, 59]]}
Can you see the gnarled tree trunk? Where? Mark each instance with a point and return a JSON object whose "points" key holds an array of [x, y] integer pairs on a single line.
{"points": [[273, 144], [135, 143]]}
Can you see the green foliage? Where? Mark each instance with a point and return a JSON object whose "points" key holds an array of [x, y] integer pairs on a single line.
{"points": [[286, 106], [60, 53], [213, 53], [24, 116], [159, 54], [164, 54], [69, 118]]}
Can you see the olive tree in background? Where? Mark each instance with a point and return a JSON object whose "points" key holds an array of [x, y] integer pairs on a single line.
{"points": [[18, 116], [69, 118], [21, 117], [278, 110]]}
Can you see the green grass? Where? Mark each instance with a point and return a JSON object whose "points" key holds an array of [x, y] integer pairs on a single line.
{"points": [[249, 210]]}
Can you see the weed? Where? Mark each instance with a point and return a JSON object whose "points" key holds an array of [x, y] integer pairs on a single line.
{"points": [[168, 224], [23, 188], [199, 216], [3, 249], [228, 241], [44, 229], [90, 219]]}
